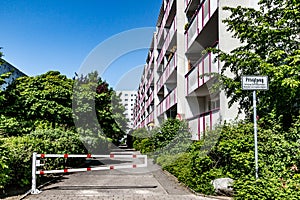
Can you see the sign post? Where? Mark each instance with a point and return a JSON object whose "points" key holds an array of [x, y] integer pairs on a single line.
{"points": [[255, 83]]}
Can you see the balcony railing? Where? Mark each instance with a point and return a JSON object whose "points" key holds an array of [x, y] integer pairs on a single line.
{"points": [[150, 118], [150, 99], [160, 32], [186, 3], [203, 15], [164, 20], [202, 72], [203, 122], [167, 41], [171, 66], [150, 81], [151, 58], [169, 101]]}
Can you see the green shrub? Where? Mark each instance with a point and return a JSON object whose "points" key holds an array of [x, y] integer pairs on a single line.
{"points": [[267, 188], [5, 171], [18, 153], [146, 146], [229, 152]]}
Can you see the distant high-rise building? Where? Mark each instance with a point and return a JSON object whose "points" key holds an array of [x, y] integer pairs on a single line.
{"points": [[128, 101]]}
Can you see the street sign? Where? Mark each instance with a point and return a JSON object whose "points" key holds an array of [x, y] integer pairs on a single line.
{"points": [[255, 83]]}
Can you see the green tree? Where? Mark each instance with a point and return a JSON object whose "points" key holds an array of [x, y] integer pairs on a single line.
{"points": [[270, 39], [41, 101], [97, 108]]}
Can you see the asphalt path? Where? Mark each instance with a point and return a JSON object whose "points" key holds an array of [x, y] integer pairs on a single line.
{"points": [[149, 183]]}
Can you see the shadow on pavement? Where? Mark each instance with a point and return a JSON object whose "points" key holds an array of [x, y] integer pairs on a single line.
{"points": [[99, 187]]}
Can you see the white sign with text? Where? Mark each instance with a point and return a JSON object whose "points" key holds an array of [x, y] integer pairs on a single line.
{"points": [[255, 83]]}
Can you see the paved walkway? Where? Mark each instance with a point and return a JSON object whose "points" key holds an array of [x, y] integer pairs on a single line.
{"points": [[149, 183]]}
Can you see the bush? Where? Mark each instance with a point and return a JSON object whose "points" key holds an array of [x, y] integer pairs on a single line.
{"points": [[4, 166], [267, 188], [18, 152], [229, 152]]}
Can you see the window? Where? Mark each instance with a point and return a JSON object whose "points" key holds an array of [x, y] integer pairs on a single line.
{"points": [[126, 95], [213, 104], [206, 11]]}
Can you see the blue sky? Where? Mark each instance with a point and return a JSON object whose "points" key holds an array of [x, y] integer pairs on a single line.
{"points": [[42, 35]]}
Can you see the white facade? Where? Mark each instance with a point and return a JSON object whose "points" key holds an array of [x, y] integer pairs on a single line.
{"points": [[128, 101], [7, 67], [178, 79]]}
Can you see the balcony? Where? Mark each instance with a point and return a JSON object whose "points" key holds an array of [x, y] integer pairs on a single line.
{"points": [[150, 118], [201, 73], [186, 3], [203, 15], [203, 122], [191, 5], [171, 66], [168, 40], [169, 101], [151, 58], [150, 81], [150, 99], [166, 17]]}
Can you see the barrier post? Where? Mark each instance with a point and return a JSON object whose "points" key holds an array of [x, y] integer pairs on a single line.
{"points": [[34, 190]]}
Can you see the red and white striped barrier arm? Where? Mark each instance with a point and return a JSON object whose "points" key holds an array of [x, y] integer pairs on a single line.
{"points": [[91, 169], [36, 163], [111, 167], [89, 156]]}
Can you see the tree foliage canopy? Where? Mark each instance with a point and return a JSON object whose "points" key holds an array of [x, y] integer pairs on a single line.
{"points": [[45, 101], [270, 39], [97, 107]]}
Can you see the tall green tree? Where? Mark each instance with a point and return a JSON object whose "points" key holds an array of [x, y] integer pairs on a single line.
{"points": [[270, 39], [97, 107], [44, 100]]}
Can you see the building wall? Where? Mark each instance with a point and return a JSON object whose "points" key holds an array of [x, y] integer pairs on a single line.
{"points": [[7, 67], [183, 83], [128, 100]]}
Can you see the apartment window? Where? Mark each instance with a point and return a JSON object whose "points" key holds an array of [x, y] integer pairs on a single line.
{"points": [[126, 95], [213, 104], [126, 99], [206, 8]]}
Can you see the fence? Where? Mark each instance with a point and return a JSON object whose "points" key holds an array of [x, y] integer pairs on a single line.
{"points": [[37, 163]]}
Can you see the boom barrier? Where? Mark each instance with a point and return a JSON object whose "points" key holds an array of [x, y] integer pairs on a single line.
{"points": [[37, 163]]}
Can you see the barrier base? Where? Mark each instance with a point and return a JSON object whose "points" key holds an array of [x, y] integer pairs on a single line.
{"points": [[36, 191]]}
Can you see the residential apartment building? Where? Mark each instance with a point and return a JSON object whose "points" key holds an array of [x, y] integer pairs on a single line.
{"points": [[178, 80], [128, 100], [7, 67]]}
